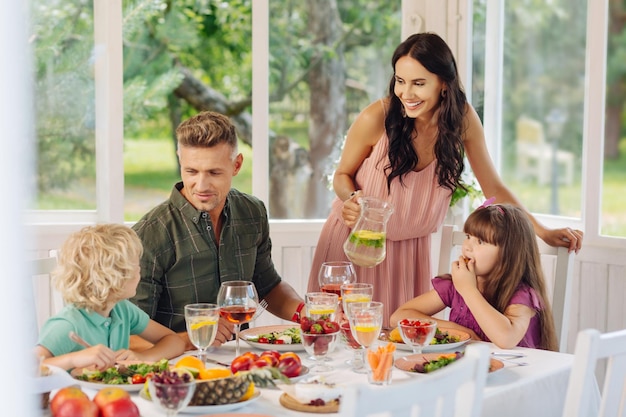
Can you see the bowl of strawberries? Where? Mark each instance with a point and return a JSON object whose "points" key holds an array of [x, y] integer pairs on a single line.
{"points": [[319, 338]]}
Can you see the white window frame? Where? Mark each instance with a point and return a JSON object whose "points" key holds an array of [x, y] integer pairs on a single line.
{"points": [[450, 17]]}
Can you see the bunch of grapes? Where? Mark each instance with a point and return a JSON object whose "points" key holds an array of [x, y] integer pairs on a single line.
{"points": [[172, 388]]}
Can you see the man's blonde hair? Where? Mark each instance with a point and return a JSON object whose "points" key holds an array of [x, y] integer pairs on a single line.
{"points": [[206, 130], [95, 263]]}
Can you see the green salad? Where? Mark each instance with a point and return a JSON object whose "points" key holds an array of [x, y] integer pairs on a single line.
{"points": [[442, 338], [288, 336], [122, 374]]}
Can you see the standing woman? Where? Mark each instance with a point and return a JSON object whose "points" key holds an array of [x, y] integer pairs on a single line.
{"points": [[408, 149]]}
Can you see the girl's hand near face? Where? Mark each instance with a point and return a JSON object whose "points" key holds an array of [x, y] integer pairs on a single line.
{"points": [[464, 276]]}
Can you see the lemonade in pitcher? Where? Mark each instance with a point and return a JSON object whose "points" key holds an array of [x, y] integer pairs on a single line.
{"points": [[366, 244]]}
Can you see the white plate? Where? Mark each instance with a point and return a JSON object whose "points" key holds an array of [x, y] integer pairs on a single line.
{"points": [[98, 386], [440, 347], [204, 409], [408, 362], [254, 332]]}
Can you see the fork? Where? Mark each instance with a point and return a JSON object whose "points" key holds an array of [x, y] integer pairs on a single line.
{"points": [[512, 357], [261, 307], [76, 338]]}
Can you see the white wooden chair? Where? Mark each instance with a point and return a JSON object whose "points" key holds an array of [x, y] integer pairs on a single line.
{"points": [[591, 346], [557, 266], [47, 299], [456, 390]]}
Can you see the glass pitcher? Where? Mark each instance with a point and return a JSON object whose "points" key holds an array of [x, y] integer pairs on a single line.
{"points": [[366, 244]]}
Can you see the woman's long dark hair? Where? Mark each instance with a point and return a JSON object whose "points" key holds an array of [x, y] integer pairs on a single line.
{"points": [[435, 55]]}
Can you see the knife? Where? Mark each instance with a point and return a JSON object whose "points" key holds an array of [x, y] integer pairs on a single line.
{"points": [[215, 361], [510, 354]]}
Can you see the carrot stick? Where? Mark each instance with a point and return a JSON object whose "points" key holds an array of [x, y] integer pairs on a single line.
{"points": [[385, 361], [373, 359]]}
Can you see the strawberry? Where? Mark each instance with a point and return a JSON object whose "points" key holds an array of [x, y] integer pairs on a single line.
{"points": [[305, 324], [316, 329], [330, 327]]}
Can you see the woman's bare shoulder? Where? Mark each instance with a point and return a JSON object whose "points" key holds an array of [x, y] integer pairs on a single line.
{"points": [[370, 123]]}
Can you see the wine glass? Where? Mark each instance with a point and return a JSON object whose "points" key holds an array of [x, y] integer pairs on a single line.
{"points": [[334, 274], [202, 321], [366, 321], [238, 301], [417, 333], [171, 397]]}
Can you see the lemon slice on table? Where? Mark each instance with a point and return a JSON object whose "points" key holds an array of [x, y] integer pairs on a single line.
{"points": [[196, 326]]}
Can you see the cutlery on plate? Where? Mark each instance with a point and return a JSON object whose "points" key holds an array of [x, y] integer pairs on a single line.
{"points": [[76, 338]]}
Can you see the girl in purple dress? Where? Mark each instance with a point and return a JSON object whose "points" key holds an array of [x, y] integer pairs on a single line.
{"points": [[496, 291]]}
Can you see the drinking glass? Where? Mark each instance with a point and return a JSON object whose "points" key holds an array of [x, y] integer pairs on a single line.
{"points": [[366, 321], [321, 304], [202, 322], [238, 302], [171, 397], [357, 362], [334, 274], [417, 333], [354, 292], [319, 346]]}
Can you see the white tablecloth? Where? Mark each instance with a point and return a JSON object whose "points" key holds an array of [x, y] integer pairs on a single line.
{"points": [[537, 389]]}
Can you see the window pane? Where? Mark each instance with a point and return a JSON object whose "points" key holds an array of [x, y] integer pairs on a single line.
{"points": [[63, 44], [542, 100], [329, 60], [613, 215], [180, 57]]}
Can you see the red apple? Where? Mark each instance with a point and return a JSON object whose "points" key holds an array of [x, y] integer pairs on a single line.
{"points": [[124, 407], [65, 394], [109, 394], [290, 367], [76, 407]]}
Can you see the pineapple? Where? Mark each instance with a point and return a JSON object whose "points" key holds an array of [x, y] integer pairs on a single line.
{"points": [[231, 389]]}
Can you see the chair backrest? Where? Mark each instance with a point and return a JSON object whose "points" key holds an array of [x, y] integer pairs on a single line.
{"points": [[557, 265], [529, 131], [47, 299], [456, 390], [591, 346]]}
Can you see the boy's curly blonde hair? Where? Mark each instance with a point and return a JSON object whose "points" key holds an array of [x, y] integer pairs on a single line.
{"points": [[94, 264]]}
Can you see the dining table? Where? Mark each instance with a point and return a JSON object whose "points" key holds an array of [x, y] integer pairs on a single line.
{"points": [[532, 382]]}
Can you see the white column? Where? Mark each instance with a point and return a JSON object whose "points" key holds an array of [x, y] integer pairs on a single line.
{"points": [[109, 101], [16, 168]]}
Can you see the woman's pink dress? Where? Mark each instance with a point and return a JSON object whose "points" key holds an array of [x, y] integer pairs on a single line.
{"points": [[420, 206]]}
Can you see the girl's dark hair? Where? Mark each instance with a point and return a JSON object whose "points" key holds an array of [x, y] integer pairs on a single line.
{"points": [[435, 55], [509, 228]]}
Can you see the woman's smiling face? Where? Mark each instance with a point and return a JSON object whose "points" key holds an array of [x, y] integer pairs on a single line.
{"points": [[418, 89]]}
